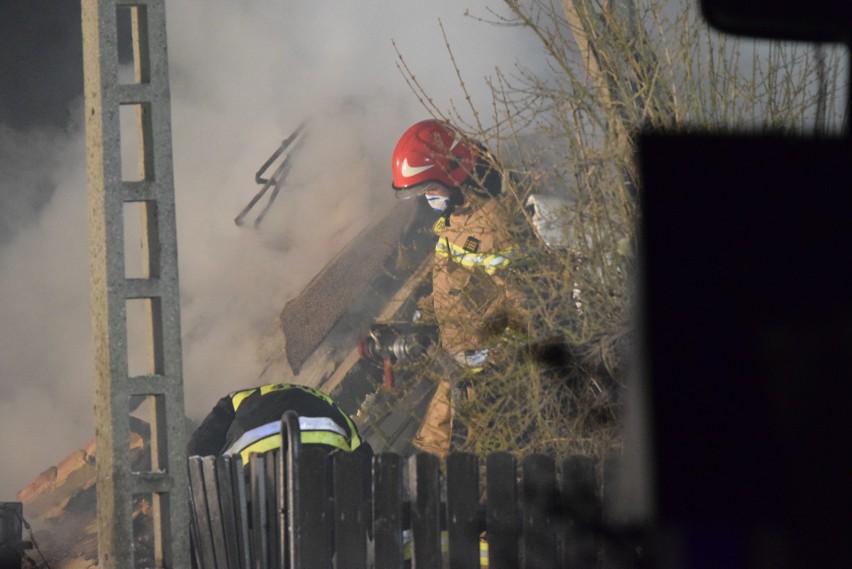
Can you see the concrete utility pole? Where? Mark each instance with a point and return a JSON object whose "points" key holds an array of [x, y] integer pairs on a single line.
{"points": [[116, 284]]}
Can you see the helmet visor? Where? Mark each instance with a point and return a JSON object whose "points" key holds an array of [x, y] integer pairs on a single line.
{"points": [[418, 190]]}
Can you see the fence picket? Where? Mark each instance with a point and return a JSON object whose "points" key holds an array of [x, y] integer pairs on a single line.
{"points": [[350, 510], [502, 513], [270, 474], [203, 545], [387, 496], [621, 549], [314, 517], [259, 520], [229, 515], [226, 504], [425, 492], [539, 501], [462, 510], [240, 492], [580, 511], [214, 510]]}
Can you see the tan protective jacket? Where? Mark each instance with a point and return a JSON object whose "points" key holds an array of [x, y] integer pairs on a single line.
{"points": [[470, 299]]}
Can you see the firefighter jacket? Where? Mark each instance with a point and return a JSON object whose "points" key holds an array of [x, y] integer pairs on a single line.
{"points": [[469, 296], [249, 421]]}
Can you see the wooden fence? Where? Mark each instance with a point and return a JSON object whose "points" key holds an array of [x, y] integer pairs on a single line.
{"points": [[301, 508]]}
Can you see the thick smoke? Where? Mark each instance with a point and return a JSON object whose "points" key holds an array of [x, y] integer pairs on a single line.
{"points": [[243, 76], [45, 365]]}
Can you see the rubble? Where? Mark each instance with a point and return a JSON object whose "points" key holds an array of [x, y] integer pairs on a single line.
{"points": [[61, 507]]}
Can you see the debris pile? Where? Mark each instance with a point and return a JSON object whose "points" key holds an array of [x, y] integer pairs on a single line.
{"points": [[61, 507]]}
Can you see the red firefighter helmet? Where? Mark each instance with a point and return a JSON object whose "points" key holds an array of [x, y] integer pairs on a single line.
{"points": [[431, 152]]}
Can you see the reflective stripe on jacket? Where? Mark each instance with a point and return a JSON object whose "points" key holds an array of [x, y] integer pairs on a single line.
{"points": [[314, 430], [489, 263], [249, 421]]}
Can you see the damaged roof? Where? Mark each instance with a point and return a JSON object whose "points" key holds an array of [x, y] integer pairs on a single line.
{"points": [[363, 282], [61, 507]]}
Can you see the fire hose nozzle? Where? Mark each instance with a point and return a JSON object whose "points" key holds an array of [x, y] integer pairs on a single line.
{"points": [[397, 342]]}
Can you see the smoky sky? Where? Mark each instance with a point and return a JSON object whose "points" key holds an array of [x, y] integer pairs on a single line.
{"points": [[243, 75]]}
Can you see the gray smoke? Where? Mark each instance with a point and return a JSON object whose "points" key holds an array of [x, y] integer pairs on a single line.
{"points": [[243, 76]]}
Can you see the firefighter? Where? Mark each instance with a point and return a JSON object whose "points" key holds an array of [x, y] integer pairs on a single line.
{"points": [[249, 421], [470, 300]]}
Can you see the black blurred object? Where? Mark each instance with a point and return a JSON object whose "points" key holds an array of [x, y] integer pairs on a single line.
{"points": [[747, 245], [805, 20], [553, 353]]}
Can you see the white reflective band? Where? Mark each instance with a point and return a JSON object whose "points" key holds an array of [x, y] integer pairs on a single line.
{"points": [[254, 435], [472, 358], [274, 428], [320, 424]]}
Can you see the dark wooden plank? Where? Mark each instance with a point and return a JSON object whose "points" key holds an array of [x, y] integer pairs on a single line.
{"points": [[502, 512], [241, 500], [625, 548], [217, 528], [425, 492], [287, 498], [284, 559], [387, 505], [580, 512], [194, 538], [350, 510], [314, 519], [272, 535], [462, 510], [226, 504], [259, 522], [539, 505], [204, 544], [11, 530]]}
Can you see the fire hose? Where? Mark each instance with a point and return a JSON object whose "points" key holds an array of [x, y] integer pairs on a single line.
{"points": [[391, 343]]}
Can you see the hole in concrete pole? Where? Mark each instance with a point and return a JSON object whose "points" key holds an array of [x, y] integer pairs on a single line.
{"points": [[141, 259], [148, 420], [147, 535], [133, 47], [149, 454], [137, 156], [144, 337]]}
